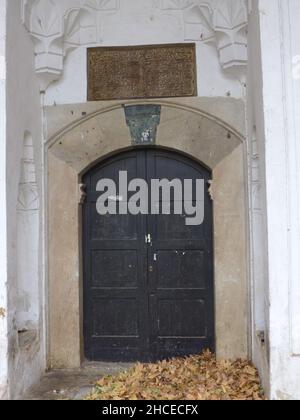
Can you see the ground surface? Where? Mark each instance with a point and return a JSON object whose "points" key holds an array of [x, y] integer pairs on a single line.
{"points": [[194, 378], [72, 384]]}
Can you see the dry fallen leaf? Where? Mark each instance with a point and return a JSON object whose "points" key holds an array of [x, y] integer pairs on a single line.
{"points": [[193, 378]]}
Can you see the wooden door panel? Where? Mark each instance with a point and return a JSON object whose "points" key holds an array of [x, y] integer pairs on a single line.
{"points": [[173, 313], [112, 227], [147, 301], [114, 268], [180, 269], [115, 271], [181, 274]]}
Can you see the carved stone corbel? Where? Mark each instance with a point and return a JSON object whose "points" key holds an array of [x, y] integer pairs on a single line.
{"points": [[221, 22], [211, 189], [57, 27]]}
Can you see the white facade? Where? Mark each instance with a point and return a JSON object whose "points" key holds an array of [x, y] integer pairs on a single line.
{"points": [[3, 252], [144, 23], [278, 126], [43, 46]]}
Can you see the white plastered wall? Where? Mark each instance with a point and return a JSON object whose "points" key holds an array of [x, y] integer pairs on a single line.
{"points": [[278, 108], [136, 24], [3, 259], [258, 233], [26, 356], [141, 22]]}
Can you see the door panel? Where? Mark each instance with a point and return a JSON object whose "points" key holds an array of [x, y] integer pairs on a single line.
{"points": [[147, 301], [180, 269], [114, 268], [181, 281], [115, 271]]}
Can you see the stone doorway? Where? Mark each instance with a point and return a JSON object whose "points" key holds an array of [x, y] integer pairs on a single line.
{"points": [[210, 131]]}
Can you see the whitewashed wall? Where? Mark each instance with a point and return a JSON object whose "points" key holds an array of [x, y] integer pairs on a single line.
{"points": [[24, 116], [3, 259], [212, 80], [145, 22], [137, 22], [279, 108], [273, 129], [257, 194]]}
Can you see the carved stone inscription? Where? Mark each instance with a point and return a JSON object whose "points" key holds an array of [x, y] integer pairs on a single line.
{"points": [[142, 72]]}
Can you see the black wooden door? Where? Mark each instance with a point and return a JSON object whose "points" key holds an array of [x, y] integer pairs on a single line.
{"points": [[148, 279]]}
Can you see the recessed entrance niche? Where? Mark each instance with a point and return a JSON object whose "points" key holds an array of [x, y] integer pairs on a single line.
{"points": [[206, 132]]}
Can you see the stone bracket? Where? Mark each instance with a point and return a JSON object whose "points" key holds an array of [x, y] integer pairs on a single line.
{"points": [[220, 22]]}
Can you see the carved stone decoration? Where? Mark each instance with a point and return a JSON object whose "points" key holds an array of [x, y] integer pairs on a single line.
{"points": [[58, 26], [143, 121], [198, 21], [28, 199], [230, 25], [174, 4], [223, 22], [211, 189]]}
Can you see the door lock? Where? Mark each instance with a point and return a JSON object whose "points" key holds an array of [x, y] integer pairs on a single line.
{"points": [[151, 269], [148, 239]]}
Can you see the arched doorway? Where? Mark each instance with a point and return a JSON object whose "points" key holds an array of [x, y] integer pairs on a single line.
{"points": [[148, 280], [207, 130]]}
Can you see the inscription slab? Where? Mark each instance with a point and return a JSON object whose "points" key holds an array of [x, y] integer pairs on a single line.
{"points": [[158, 71]]}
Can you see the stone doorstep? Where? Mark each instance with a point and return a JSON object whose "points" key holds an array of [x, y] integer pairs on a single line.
{"points": [[72, 384]]}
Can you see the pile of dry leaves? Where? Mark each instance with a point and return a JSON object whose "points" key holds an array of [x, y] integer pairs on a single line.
{"points": [[193, 378]]}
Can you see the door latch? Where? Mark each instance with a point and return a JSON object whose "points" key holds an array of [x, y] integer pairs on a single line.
{"points": [[148, 239]]}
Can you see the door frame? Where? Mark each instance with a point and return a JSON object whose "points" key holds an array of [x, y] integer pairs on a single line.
{"points": [[205, 130]]}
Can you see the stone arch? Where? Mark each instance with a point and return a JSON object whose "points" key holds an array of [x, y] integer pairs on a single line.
{"points": [[210, 131]]}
